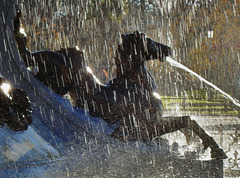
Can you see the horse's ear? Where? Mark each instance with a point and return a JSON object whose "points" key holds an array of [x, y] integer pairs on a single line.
{"points": [[124, 37], [126, 42], [138, 34]]}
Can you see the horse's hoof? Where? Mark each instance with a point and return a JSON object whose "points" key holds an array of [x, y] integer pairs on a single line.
{"points": [[218, 153], [205, 146]]}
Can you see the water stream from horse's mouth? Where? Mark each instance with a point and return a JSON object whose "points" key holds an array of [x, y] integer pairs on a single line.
{"points": [[179, 65]]}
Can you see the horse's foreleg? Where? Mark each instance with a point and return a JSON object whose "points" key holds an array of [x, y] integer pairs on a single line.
{"points": [[192, 125], [208, 141]]}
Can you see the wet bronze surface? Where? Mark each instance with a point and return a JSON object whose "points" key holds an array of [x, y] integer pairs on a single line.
{"points": [[128, 100], [15, 109]]}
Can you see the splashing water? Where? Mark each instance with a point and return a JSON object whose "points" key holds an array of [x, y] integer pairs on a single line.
{"points": [[89, 70], [22, 31], [6, 88], [179, 65]]}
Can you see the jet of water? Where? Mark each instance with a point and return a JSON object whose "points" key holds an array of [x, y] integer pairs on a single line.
{"points": [[179, 65]]}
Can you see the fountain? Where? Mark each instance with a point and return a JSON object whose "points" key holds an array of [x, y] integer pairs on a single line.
{"points": [[65, 141], [235, 102]]}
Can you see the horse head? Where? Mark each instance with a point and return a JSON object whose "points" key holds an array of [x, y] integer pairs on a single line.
{"points": [[136, 48]]}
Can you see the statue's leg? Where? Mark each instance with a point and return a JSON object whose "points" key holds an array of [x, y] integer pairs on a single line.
{"points": [[192, 125], [149, 129]]}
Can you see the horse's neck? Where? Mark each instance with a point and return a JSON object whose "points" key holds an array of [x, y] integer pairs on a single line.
{"points": [[138, 75]]}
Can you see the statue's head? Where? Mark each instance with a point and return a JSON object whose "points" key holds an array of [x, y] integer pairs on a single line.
{"points": [[139, 45], [136, 48]]}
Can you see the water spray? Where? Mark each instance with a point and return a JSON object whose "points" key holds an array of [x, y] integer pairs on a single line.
{"points": [[225, 95]]}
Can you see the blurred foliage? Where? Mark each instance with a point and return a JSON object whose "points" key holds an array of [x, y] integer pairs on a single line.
{"points": [[215, 58], [107, 9], [95, 26]]}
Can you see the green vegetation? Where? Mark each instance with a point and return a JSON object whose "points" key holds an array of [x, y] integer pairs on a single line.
{"points": [[189, 104]]}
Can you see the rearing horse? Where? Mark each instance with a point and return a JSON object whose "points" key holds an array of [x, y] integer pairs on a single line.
{"points": [[130, 100]]}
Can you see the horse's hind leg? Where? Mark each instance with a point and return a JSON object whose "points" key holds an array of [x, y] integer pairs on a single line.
{"points": [[207, 141]]}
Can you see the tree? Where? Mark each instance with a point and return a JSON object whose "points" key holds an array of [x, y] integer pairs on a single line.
{"points": [[216, 58]]}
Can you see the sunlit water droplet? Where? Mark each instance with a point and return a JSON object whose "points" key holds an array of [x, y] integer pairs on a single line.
{"points": [[77, 48], [156, 95], [22, 31], [6, 87], [89, 70]]}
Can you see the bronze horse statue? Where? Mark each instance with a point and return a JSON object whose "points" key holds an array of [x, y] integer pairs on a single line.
{"points": [[130, 100]]}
